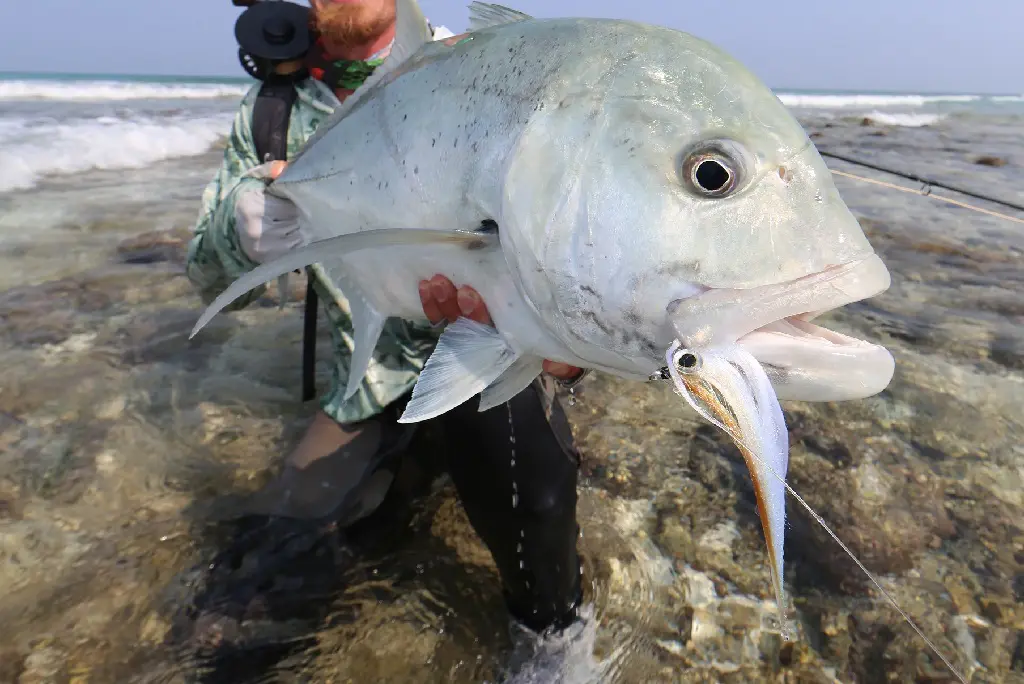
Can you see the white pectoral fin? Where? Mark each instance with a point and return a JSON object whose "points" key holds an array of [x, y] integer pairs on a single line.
{"points": [[468, 357], [334, 247], [514, 380]]}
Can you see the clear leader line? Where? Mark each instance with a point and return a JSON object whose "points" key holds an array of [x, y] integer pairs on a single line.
{"points": [[927, 184]]}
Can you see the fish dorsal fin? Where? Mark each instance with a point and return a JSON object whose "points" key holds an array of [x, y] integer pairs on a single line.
{"points": [[411, 33], [485, 15]]}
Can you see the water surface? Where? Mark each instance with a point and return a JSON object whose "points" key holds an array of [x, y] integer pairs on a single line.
{"points": [[124, 448]]}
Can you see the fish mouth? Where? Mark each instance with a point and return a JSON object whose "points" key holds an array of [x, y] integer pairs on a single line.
{"points": [[802, 360], [807, 362]]}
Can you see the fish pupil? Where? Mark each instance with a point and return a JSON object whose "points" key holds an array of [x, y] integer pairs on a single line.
{"points": [[711, 175]]}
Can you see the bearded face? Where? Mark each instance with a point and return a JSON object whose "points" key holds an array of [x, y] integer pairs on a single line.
{"points": [[351, 22]]}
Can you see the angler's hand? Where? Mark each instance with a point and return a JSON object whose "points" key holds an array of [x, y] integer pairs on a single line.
{"points": [[442, 301], [267, 226]]}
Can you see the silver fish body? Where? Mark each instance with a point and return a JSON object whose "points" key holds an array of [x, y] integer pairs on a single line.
{"points": [[571, 135], [650, 194]]}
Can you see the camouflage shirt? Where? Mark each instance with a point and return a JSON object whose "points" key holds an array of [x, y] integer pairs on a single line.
{"points": [[215, 260]]}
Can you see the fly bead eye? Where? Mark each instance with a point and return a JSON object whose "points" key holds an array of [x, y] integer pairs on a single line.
{"points": [[687, 361]]}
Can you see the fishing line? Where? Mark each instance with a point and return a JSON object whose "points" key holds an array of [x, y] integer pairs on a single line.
{"points": [[925, 193], [928, 183], [682, 389]]}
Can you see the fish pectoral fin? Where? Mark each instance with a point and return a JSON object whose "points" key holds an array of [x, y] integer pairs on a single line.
{"points": [[341, 245], [731, 390], [514, 380], [468, 357], [485, 14]]}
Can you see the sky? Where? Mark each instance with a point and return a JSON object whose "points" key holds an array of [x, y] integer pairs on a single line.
{"points": [[880, 45]]}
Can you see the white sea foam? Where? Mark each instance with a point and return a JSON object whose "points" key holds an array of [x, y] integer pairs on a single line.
{"points": [[908, 119], [844, 101], [33, 149], [104, 91]]}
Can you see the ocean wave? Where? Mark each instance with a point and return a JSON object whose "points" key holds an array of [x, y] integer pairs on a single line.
{"points": [[103, 91], [1007, 98], [837, 101], [907, 119], [36, 149]]}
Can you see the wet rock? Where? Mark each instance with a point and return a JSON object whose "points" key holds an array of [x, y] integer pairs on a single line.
{"points": [[383, 654], [155, 246], [451, 524], [887, 516], [164, 337], [11, 505], [12, 664], [1008, 351], [988, 160], [725, 631], [46, 664]]}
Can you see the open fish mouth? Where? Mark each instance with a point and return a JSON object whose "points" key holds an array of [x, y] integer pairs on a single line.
{"points": [[804, 361], [807, 362]]}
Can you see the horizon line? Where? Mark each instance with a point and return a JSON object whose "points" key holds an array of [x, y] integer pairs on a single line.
{"points": [[243, 77]]}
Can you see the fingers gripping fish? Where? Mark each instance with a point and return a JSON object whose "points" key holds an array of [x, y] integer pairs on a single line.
{"points": [[655, 205]]}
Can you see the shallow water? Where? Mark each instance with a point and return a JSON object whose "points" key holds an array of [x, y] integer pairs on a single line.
{"points": [[124, 448]]}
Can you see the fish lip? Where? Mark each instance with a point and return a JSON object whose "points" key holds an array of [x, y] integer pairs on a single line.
{"points": [[724, 316]]}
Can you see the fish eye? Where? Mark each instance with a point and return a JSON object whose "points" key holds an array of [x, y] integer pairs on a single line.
{"points": [[712, 170], [712, 176]]}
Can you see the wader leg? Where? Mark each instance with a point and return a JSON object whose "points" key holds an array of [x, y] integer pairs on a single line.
{"points": [[515, 470]]}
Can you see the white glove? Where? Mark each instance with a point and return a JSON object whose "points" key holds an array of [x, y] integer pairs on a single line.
{"points": [[267, 226]]}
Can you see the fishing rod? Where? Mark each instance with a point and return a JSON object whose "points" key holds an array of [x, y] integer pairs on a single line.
{"points": [[928, 185]]}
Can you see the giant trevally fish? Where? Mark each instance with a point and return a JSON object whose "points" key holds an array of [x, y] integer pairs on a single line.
{"points": [[625, 198]]}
